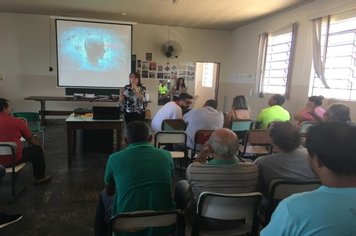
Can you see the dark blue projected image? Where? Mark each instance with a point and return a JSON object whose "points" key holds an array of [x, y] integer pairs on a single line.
{"points": [[92, 49]]}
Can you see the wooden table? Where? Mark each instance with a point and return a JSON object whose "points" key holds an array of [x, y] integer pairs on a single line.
{"points": [[43, 99], [82, 122]]}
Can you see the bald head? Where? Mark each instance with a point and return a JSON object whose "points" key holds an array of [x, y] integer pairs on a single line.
{"points": [[223, 143]]}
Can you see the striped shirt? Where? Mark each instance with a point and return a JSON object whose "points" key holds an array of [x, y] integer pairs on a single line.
{"points": [[226, 178]]}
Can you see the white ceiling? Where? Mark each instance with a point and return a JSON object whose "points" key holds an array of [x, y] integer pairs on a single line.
{"points": [[207, 14]]}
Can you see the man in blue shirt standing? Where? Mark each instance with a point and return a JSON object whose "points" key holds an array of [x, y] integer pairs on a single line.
{"points": [[331, 209]]}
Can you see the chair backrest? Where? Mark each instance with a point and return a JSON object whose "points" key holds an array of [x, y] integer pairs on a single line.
{"points": [[304, 127], [258, 136], [202, 135], [139, 220], [173, 125], [241, 125], [240, 207], [29, 116], [280, 189], [8, 148], [170, 137]]}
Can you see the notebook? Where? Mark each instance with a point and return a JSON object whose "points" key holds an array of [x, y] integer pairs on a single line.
{"points": [[106, 113]]}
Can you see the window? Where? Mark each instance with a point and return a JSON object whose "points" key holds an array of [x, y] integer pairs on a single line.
{"points": [[208, 70], [276, 59], [339, 38]]}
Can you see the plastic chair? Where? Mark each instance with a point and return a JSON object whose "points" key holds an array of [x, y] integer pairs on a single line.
{"points": [[226, 214], [240, 127], [33, 122], [200, 138], [140, 220], [281, 189], [173, 125], [173, 137], [257, 142], [10, 148]]}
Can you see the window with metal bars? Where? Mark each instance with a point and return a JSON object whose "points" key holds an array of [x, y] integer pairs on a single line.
{"points": [[340, 62], [277, 63]]}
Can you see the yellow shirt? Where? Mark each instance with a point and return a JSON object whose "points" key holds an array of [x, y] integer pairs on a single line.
{"points": [[273, 113]]}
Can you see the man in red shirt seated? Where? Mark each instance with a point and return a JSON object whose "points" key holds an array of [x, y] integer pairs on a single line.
{"points": [[11, 130]]}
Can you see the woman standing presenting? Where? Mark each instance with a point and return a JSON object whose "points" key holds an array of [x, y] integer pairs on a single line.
{"points": [[132, 98]]}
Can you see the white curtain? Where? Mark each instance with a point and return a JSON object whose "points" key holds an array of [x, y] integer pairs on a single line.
{"points": [[262, 48], [319, 58]]}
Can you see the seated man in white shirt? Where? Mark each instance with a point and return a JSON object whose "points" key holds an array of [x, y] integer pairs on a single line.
{"points": [[171, 110], [330, 209], [207, 117]]}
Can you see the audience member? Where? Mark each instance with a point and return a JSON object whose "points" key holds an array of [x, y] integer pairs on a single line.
{"points": [[273, 113], [312, 109], [239, 111], [11, 130], [289, 163], [179, 87], [137, 178], [223, 173], [171, 110], [207, 117], [329, 210], [6, 219], [337, 113]]}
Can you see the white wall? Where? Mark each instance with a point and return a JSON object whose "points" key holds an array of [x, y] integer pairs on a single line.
{"points": [[24, 57], [243, 57]]}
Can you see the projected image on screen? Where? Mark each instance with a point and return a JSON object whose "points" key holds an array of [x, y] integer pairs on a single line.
{"points": [[93, 54]]}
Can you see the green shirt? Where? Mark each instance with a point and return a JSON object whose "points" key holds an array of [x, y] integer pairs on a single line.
{"points": [[273, 113], [143, 179]]}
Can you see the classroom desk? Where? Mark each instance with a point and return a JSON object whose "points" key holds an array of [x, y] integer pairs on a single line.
{"points": [[84, 122], [43, 99]]}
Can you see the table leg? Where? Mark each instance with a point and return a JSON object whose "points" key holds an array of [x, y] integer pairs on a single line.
{"points": [[70, 145], [43, 112]]}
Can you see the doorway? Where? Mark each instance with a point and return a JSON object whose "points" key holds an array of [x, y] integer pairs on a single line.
{"points": [[206, 82]]}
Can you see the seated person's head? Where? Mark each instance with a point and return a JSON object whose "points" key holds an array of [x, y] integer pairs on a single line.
{"points": [[276, 99], [211, 103], [337, 113], [4, 106], [137, 131], [185, 100], [285, 136], [332, 146], [315, 101], [240, 103], [223, 143]]}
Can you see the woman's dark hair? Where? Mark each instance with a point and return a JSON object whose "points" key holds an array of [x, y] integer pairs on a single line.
{"points": [[240, 103], [285, 135], [177, 85], [334, 146], [317, 100], [3, 104], [137, 75]]}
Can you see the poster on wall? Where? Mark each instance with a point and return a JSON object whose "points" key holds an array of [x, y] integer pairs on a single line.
{"points": [[148, 56]]}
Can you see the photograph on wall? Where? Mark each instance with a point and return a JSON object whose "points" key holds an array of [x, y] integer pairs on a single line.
{"points": [[138, 64], [152, 75], [190, 72], [152, 65], [138, 71], [167, 68], [148, 56], [191, 67], [145, 65], [144, 74], [160, 68], [190, 78], [166, 76], [159, 75], [182, 73], [174, 67], [174, 75]]}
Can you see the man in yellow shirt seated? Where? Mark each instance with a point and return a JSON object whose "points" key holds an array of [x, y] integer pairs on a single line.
{"points": [[273, 113]]}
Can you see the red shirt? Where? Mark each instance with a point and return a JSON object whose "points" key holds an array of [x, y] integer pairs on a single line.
{"points": [[11, 130]]}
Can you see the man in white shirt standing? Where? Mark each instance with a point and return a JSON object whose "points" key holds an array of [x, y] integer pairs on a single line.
{"points": [[171, 110], [207, 117]]}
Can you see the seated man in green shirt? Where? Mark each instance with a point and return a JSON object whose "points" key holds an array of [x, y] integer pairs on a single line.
{"points": [[273, 113], [137, 178]]}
